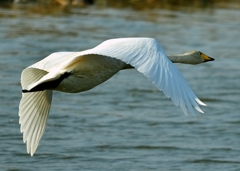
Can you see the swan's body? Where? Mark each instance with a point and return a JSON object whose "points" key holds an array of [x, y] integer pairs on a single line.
{"points": [[74, 72]]}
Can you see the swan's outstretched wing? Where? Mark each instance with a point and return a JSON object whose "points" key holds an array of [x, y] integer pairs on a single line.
{"points": [[33, 109], [148, 57]]}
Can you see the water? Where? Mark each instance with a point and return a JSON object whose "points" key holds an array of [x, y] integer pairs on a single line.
{"points": [[125, 123]]}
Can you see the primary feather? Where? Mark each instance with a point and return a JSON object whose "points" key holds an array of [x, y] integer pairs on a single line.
{"points": [[90, 68]]}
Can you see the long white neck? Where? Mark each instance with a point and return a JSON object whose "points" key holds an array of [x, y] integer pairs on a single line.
{"points": [[180, 58], [186, 58]]}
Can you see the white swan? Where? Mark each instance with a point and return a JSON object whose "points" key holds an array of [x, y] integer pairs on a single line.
{"points": [[74, 72]]}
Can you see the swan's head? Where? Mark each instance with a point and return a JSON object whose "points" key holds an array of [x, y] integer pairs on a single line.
{"points": [[197, 57]]}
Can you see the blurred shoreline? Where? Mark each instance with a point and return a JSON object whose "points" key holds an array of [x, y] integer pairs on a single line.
{"points": [[132, 4]]}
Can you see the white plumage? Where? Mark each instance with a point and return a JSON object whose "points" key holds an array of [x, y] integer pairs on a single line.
{"points": [[80, 71]]}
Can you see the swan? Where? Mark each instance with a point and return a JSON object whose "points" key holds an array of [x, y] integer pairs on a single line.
{"points": [[74, 72]]}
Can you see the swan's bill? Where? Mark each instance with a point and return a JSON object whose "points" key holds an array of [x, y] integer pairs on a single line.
{"points": [[206, 58]]}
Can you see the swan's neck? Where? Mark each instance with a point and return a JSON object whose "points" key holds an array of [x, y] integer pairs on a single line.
{"points": [[182, 58]]}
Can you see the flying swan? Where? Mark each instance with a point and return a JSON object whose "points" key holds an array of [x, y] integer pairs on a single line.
{"points": [[74, 72]]}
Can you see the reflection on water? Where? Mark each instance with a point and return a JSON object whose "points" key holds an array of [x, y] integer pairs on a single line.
{"points": [[123, 124]]}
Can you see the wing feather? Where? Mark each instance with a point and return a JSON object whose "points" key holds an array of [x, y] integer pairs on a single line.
{"points": [[56, 59], [33, 109], [38, 106]]}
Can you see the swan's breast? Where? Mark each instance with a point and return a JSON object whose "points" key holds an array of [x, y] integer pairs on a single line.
{"points": [[89, 71]]}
